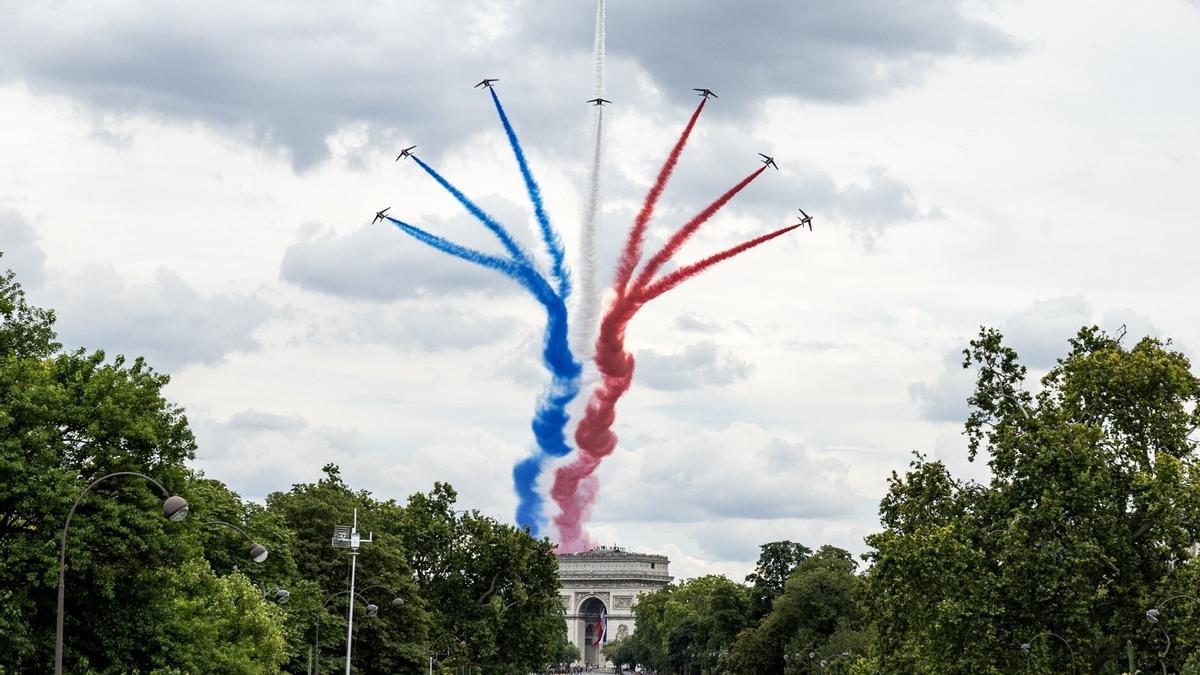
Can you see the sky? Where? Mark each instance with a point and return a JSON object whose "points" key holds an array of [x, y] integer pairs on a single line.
{"points": [[194, 183]]}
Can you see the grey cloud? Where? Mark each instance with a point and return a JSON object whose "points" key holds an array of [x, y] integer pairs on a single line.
{"points": [[694, 324], [842, 52], [431, 329], [703, 364], [165, 320], [20, 248], [945, 399], [740, 471], [257, 452], [288, 76], [257, 420], [1039, 334], [882, 202]]}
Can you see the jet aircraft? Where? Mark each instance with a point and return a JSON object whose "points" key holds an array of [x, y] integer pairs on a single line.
{"points": [[805, 219], [769, 161], [705, 92], [486, 82], [407, 152], [599, 101], [380, 215]]}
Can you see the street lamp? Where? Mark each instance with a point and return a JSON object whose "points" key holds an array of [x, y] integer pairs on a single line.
{"points": [[1027, 647], [258, 552], [175, 508], [372, 610], [397, 601], [1154, 615], [462, 644]]}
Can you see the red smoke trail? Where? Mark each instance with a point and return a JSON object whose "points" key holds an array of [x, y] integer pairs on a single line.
{"points": [[680, 238], [575, 486], [632, 254], [682, 274]]}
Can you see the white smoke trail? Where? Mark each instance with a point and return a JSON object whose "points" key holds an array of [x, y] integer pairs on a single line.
{"points": [[588, 316]]}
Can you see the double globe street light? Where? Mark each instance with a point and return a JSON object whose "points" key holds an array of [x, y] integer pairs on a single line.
{"points": [[372, 611], [175, 508]]}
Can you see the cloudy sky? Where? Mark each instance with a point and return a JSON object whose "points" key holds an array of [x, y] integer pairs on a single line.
{"points": [[194, 183]]}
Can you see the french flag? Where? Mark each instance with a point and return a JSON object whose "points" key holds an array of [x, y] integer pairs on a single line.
{"points": [[601, 628]]}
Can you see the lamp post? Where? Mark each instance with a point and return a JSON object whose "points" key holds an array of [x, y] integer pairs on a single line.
{"points": [[175, 508], [372, 610], [1027, 647], [347, 537], [258, 552], [462, 644], [1154, 614]]}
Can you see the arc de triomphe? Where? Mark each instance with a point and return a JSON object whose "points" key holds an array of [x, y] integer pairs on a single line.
{"points": [[605, 578]]}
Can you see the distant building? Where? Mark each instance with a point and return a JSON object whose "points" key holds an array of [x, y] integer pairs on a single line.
{"points": [[608, 579]]}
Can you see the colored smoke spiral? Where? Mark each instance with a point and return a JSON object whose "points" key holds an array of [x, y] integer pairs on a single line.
{"points": [[550, 414], [575, 486]]}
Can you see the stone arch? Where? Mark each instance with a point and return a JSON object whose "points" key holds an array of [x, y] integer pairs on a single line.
{"points": [[589, 613], [592, 604]]}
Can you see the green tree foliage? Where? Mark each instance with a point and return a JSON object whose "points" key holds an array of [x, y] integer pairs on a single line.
{"points": [[221, 624], [488, 584], [689, 626], [67, 419], [820, 599], [1087, 521], [776, 562], [392, 641]]}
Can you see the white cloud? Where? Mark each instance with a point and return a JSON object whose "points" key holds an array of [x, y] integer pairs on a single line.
{"points": [[741, 471], [165, 319], [703, 364]]}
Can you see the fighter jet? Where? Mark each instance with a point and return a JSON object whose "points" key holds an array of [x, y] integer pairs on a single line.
{"points": [[769, 161], [380, 215], [599, 101], [805, 219], [705, 92], [486, 82], [407, 152]]}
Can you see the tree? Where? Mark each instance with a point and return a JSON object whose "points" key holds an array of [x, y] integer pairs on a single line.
{"points": [[67, 419], [819, 600], [1087, 521], [776, 562], [394, 640], [691, 625], [490, 584], [221, 624]]}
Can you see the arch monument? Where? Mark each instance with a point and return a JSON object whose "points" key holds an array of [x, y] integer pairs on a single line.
{"points": [[605, 581]]}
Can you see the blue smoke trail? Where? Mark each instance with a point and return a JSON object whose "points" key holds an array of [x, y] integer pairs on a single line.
{"points": [[554, 243], [514, 249], [550, 416], [469, 254]]}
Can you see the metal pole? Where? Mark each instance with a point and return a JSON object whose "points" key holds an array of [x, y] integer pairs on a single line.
{"points": [[317, 647], [350, 619]]}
